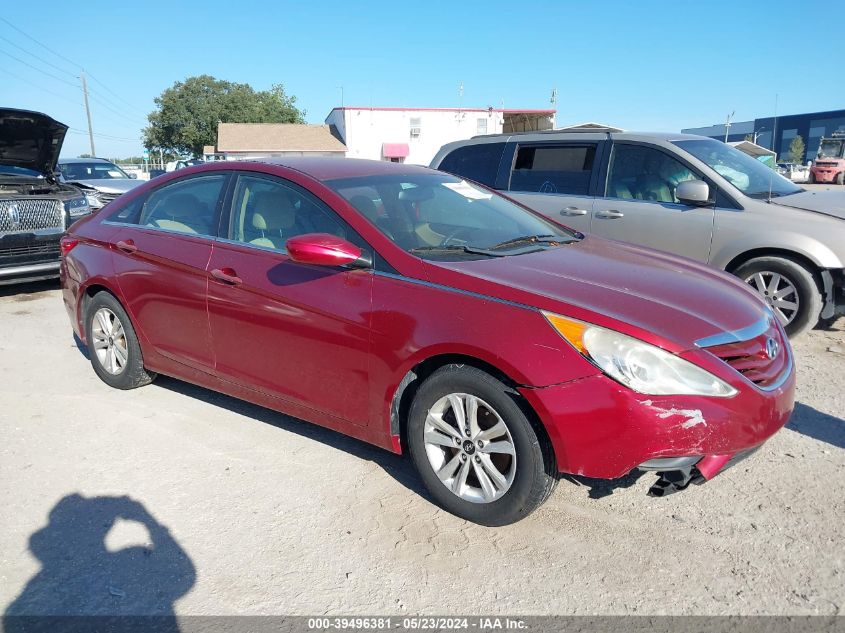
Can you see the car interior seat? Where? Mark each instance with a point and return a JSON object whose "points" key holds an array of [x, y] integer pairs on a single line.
{"points": [[181, 212], [273, 219]]}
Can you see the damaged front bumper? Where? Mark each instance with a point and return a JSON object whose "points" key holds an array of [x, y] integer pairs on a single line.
{"points": [[600, 429]]}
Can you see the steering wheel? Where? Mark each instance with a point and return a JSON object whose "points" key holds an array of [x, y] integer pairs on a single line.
{"points": [[454, 235]]}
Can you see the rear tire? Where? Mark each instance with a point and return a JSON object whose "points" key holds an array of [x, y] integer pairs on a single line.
{"points": [[840, 178], [113, 345], [494, 470], [771, 278]]}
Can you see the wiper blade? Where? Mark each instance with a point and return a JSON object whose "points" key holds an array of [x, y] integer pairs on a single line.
{"points": [[455, 248], [533, 239]]}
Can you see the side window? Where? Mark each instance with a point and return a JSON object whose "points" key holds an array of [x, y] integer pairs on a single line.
{"points": [[553, 169], [187, 206], [267, 212], [638, 172], [475, 162]]}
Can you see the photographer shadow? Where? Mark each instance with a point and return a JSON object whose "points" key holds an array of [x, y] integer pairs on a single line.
{"points": [[82, 579]]}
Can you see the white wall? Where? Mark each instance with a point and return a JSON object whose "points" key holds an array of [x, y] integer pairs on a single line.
{"points": [[365, 131]]}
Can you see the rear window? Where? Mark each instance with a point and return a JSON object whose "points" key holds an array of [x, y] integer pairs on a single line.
{"points": [[553, 169], [475, 162]]}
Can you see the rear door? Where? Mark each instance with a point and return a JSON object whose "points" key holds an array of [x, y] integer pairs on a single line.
{"points": [[639, 203], [295, 331], [556, 179], [161, 249]]}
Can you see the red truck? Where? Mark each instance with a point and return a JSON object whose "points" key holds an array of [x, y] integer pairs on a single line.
{"points": [[829, 165]]}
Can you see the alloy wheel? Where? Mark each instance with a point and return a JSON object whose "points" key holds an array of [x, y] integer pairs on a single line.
{"points": [[470, 448], [779, 293], [109, 341]]}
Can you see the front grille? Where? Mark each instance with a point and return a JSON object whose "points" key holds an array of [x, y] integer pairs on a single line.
{"points": [[23, 216], [34, 249], [825, 164], [751, 358]]}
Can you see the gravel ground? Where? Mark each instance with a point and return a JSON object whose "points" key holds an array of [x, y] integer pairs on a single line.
{"points": [[252, 512]]}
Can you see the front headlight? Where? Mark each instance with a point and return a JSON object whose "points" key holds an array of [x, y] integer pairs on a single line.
{"points": [[642, 367], [77, 207], [93, 198]]}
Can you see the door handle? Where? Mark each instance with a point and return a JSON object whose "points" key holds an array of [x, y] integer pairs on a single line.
{"points": [[227, 276], [610, 214], [573, 211], [127, 246]]}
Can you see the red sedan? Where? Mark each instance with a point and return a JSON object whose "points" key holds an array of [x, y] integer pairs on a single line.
{"points": [[429, 315]]}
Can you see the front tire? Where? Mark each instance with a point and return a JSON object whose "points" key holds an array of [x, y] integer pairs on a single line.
{"points": [[840, 178], [475, 448], [113, 345], [788, 288]]}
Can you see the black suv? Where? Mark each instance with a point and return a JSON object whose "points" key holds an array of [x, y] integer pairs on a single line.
{"points": [[35, 208]]}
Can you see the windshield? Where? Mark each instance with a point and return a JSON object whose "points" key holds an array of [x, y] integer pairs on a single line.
{"points": [[437, 216], [91, 171], [13, 170], [747, 174], [830, 149]]}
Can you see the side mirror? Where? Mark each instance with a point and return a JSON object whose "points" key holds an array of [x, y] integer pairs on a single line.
{"points": [[693, 192], [323, 249]]}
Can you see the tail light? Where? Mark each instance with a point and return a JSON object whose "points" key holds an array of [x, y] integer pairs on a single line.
{"points": [[67, 244]]}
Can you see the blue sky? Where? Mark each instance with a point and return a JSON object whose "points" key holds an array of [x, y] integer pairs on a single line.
{"points": [[640, 64]]}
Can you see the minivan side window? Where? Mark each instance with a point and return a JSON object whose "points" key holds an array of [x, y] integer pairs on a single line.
{"points": [[562, 169], [638, 172], [475, 162]]}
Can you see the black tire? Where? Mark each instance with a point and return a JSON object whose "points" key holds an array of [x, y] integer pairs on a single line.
{"points": [[131, 374], [840, 178], [812, 178], [534, 473], [807, 289]]}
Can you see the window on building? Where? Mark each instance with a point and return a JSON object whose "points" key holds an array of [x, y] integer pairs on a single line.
{"points": [[553, 169], [481, 125], [416, 127]]}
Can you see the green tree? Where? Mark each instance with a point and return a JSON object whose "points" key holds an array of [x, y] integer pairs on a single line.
{"points": [[188, 112], [796, 150]]}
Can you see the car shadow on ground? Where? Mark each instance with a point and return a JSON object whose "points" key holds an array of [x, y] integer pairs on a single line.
{"points": [[394, 465], [28, 291], [86, 575], [818, 425]]}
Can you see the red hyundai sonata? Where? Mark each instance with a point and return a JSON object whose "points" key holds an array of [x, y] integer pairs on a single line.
{"points": [[422, 313]]}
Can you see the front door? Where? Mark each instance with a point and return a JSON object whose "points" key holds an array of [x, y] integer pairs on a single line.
{"points": [[296, 331], [161, 250], [640, 206]]}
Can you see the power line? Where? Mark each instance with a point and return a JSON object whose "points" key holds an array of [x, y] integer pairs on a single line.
{"points": [[44, 46], [73, 130], [40, 87], [25, 63], [117, 96], [41, 59]]}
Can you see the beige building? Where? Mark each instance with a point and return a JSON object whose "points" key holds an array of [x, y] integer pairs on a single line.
{"points": [[249, 141]]}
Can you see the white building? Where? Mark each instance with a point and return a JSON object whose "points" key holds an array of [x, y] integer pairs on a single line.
{"points": [[414, 135]]}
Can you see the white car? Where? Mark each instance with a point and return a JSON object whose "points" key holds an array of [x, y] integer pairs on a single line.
{"points": [[794, 171]]}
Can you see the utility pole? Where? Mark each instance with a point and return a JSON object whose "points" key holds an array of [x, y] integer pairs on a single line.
{"points": [[728, 124], [88, 112]]}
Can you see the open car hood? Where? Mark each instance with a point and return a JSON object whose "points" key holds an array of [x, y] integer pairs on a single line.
{"points": [[31, 140]]}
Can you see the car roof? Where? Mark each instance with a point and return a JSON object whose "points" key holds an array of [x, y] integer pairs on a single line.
{"points": [[70, 161], [335, 168], [585, 134]]}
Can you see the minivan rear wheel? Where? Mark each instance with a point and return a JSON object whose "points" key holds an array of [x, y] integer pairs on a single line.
{"points": [[476, 449], [788, 288]]}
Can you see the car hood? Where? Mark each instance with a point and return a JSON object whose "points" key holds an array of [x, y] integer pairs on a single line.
{"points": [[827, 202], [109, 185], [31, 140], [667, 300]]}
